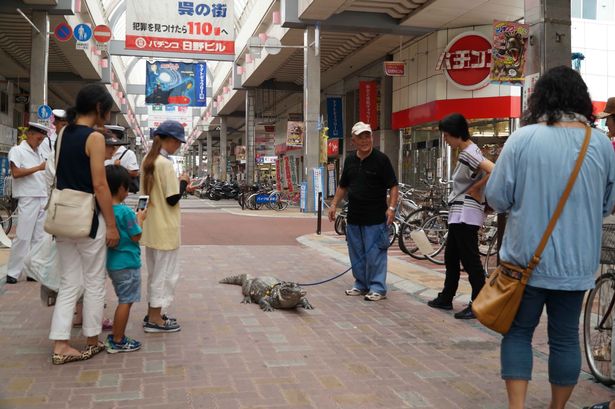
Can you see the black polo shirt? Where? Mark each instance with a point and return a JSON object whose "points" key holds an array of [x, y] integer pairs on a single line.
{"points": [[367, 182]]}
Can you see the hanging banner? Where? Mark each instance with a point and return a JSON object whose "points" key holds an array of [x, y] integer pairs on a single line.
{"points": [[278, 176], [333, 147], [510, 41], [331, 179], [395, 68], [368, 103], [176, 83], [289, 179], [203, 27], [294, 135], [335, 117], [323, 145]]}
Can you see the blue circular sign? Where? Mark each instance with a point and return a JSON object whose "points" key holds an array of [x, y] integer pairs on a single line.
{"points": [[82, 32], [63, 32], [44, 111]]}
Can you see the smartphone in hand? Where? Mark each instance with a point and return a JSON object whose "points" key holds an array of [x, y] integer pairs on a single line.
{"points": [[142, 204]]}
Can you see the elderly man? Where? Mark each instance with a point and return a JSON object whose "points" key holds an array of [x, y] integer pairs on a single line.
{"points": [[27, 166], [124, 157], [366, 176]]}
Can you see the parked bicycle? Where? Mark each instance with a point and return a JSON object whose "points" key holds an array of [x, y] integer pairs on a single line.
{"points": [[598, 313]]}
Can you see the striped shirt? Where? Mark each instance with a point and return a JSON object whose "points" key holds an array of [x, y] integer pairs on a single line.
{"points": [[464, 208]]}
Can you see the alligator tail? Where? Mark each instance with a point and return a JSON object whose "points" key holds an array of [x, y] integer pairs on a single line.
{"points": [[237, 280]]}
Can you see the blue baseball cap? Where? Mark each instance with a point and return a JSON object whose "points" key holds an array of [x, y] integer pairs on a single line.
{"points": [[171, 128]]}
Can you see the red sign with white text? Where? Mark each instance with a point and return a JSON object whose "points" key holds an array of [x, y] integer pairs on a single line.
{"points": [[368, 103], [466, 61], [333, 147], [395, 68], [289, 179]]}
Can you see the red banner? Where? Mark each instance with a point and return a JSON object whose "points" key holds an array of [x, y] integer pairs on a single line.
{"points": [[368, 103], [333, 147], [289, 179], [278, 176]]}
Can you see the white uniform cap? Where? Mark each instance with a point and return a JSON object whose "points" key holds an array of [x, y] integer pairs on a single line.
{"points": [[39, 127], [59, 113], [116, 128]]}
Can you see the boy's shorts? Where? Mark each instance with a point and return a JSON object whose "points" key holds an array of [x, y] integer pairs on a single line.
{"points": [[127, 284]]}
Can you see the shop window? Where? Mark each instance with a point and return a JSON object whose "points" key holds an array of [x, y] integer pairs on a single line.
{"points": [[4, 102]]}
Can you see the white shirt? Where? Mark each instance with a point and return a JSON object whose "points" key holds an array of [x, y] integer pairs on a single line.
{"points": [[23, 156], [46, 147], [128, 161]]}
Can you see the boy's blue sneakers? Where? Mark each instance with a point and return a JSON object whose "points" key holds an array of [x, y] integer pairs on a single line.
{"points": [[127, 345]]}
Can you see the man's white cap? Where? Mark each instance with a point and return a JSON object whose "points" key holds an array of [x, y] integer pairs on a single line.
{"points": [[39, 127], [361, 127], [59, 113], [116, 128]]}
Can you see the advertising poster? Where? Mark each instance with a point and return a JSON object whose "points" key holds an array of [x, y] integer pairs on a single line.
{"points": [[180, 26], [510, 41], [294, 135], [240, 153], [335, 117], [368, 103], [176, 83]]}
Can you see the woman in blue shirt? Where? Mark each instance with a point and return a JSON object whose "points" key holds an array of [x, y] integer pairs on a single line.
{"points": [[527, 182]]}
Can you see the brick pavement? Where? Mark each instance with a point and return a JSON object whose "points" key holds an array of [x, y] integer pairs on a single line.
{"points": [[347, 353]]}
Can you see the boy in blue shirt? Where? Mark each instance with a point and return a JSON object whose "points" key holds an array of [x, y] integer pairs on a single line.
{"points": [[124, 260]]}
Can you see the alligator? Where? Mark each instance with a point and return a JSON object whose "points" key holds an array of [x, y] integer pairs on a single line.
{"points": [[269, 292]]}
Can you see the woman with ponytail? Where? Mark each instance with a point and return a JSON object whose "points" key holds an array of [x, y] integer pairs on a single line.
{"points": [[82, 261], [161, 228]]}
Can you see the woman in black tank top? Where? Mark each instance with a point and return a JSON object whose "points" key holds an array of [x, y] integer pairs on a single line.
{"points": [[82, 261]]}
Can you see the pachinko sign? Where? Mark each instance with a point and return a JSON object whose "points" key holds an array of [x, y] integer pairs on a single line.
{"points": [[200, 27], [466, 61], [509, 49]]}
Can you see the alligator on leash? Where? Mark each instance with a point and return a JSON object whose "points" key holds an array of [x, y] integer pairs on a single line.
{"points": [[269, 292]]}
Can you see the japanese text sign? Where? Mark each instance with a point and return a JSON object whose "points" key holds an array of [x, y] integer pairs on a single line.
{"points": [[335, 117], [200, 27], [368, 103], [466, 61]]}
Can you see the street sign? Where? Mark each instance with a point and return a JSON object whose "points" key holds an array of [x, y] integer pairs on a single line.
{"points": [[102, 33], [44, 111], [63, 32], [83, 32]]}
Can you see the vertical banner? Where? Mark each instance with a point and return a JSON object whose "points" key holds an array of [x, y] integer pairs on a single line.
{"points": [[278, 176], [289, 179], [323, 145], [304, 194], [180, 26], [508, 55], [335, 117], [293, 172], [295, 131], [331, 179], [176, 83], [318, 181], [368, 103]]}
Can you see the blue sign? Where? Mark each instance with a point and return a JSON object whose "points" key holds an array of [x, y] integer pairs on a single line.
{"points": [[176, 83], [44, 111], [303, 204], [334, 117], [63, 32], [264, 198], [83, 32]]}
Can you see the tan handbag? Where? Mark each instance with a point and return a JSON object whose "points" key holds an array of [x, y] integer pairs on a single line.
{"points": [[498, 301], [69, 212]]}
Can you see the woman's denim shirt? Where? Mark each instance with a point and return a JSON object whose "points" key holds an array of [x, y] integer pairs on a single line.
{"points": [[528, 180]]}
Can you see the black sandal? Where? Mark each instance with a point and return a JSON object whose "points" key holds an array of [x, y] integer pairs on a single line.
{"points": [[603, 405]]}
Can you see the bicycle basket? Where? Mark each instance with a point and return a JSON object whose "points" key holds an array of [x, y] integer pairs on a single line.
{"points": [[607, 253]]}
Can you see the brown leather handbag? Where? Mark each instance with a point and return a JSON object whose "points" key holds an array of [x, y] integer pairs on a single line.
{"points": [[498, 301]]}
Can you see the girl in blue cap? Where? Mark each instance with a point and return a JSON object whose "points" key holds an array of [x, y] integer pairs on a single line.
{"points": [[161, 228]]}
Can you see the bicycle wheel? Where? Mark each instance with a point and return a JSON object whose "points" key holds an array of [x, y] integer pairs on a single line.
{"points": [[5, 219], [598, 327], [412, 222], [436, 230], [392, 232], [491, 256]]}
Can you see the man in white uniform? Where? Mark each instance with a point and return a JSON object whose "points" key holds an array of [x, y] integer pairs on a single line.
{"points": [[124, 157], [59, 122], [27, 166]]}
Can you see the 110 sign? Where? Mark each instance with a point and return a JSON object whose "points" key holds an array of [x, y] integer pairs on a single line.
{"points": [[202, 29]]}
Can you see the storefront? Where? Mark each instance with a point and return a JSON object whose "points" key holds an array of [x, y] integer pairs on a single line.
{"points": [[449, 72]]}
